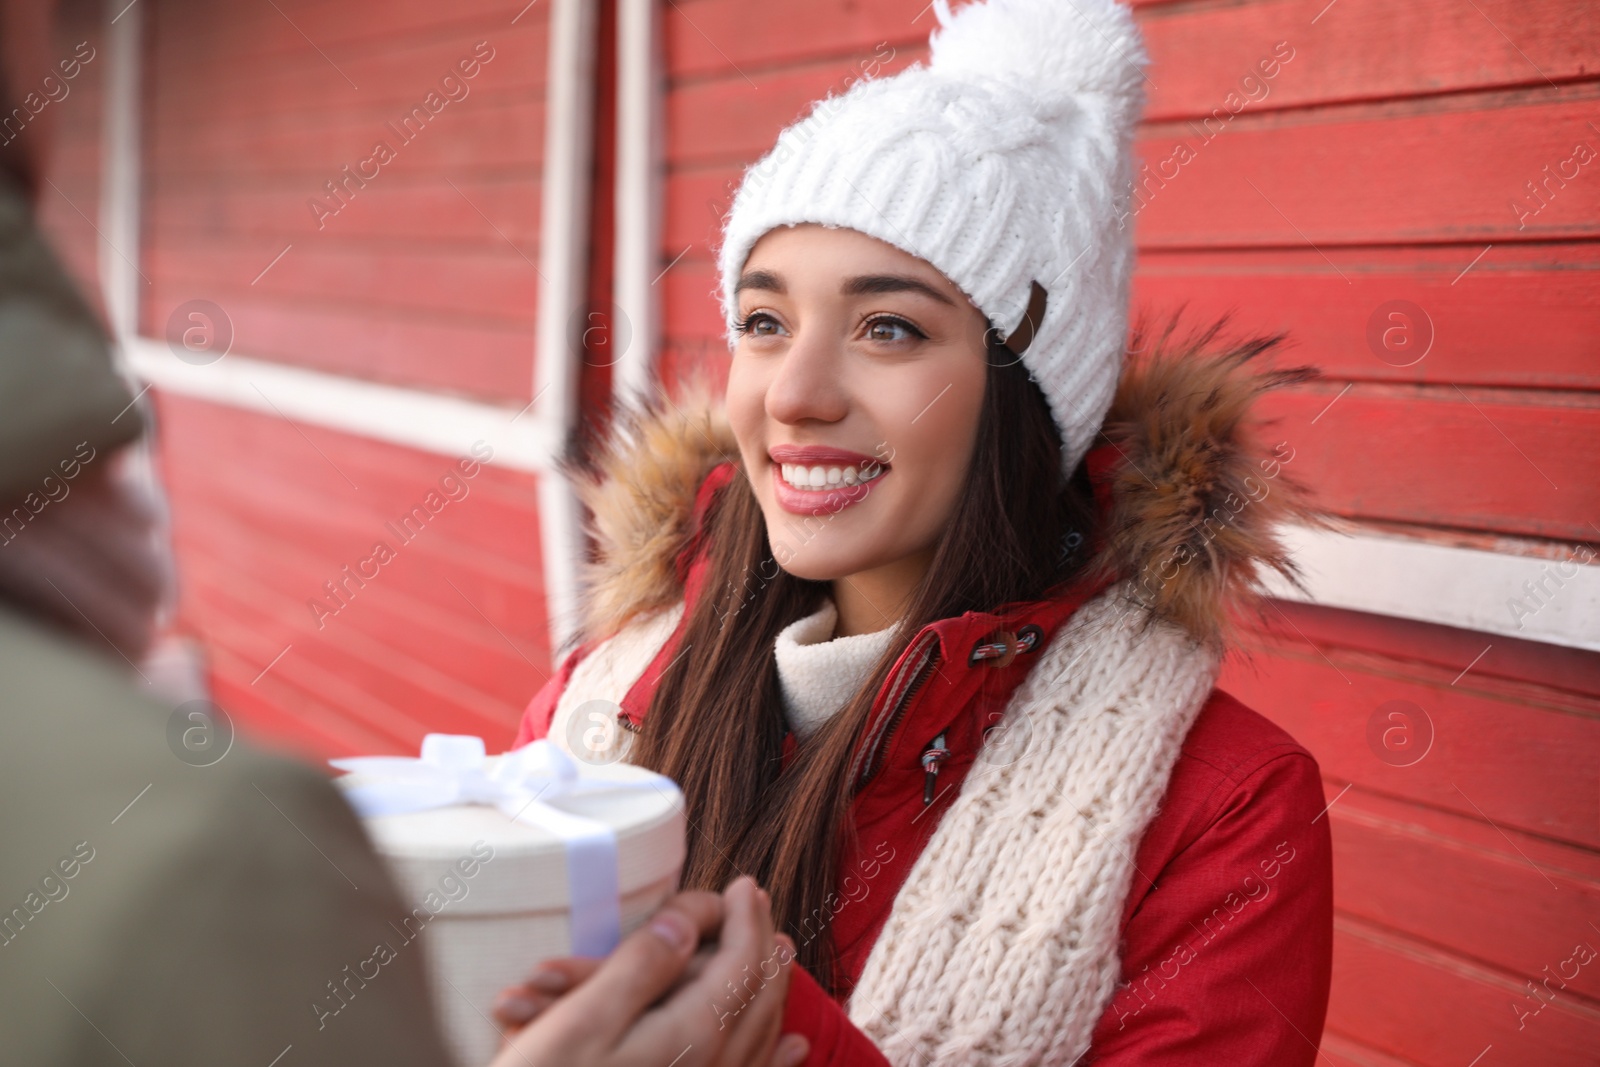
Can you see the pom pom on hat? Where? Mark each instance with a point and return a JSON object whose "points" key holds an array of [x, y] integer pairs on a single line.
{"points": [[1053, 50], [1005, 163]]}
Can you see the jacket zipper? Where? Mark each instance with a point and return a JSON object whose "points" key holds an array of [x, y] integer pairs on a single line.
{"points": [[935, 754], [879, 743]]}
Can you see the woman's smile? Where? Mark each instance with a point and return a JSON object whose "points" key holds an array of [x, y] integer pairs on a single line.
{"points": [[812, 479]]}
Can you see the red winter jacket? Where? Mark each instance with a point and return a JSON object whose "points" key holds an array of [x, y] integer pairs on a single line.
{"points": [[1227, 931]]}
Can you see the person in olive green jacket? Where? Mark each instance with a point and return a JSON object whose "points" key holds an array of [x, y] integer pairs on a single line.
{"points": [[163, 913]]}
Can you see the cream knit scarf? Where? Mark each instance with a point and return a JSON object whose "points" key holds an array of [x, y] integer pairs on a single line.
{"points": [[1001, 948]]}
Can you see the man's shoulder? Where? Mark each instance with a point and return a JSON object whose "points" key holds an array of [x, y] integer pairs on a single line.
{"points": [[143, 877], [79, 729], [92, 758]]}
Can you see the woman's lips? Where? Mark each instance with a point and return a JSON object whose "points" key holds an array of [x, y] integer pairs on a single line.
{"points": [[833, 478]]}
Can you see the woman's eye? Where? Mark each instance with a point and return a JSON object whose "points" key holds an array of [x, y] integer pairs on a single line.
{"points": [[891, 330], [758, 324]]}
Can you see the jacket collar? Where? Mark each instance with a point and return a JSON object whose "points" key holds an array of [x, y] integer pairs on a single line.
{"points": [[1190, 494]]}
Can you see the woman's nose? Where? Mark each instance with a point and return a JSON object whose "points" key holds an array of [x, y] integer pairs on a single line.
{"points": [[809, 383]]}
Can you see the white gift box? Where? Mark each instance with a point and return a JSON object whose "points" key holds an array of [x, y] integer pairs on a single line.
{"points": [[509, 860]]}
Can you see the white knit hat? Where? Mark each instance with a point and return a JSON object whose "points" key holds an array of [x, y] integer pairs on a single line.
{"points": [[1004, 162]]}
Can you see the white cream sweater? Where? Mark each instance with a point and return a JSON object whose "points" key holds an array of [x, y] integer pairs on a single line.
{"points": [[1001, 947], [818, 672]]}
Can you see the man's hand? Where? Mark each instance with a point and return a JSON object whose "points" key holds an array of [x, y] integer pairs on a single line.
{"points": [[656, 992]]}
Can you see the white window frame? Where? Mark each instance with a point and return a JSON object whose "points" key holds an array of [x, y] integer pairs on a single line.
{"points": [[526, 440]]}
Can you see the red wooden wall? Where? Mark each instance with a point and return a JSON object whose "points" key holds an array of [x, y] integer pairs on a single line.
{"points": [[423, 276], [1382, 161], [1375, 164]]}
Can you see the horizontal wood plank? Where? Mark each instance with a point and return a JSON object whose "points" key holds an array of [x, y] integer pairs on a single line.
{"points": [[1517, 670], [241, 84], [451, 632], [1509, 462], [696, 203], [455, 662], [294, 29], [473, 135], [269, 710], [370, 673], [474, 210], [735, 122], [1199, 52], [1357, 50], [441, 588], [298, 494], [431, 596], [1452, 169], [1482, 750], [1445, 314], [336, 687], [494, 284], [1427, 1007], [1445, 880], [450, 353]]}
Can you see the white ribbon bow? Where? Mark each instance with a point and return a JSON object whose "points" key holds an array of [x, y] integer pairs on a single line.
{"points": [[454, 769]]}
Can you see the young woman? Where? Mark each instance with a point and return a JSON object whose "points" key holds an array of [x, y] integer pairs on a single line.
{"points": [[926, 617]]}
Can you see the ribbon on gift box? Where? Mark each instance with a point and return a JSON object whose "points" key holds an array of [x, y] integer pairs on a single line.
{"points": [[454, 769]]}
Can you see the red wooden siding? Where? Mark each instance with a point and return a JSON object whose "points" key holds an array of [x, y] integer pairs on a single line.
{"points": [[448, 634], [425, 275], [1377, 163]]}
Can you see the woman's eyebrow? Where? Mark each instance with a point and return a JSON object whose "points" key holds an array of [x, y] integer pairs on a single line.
{"points": [[871, 284], [760, 279], [860, 285]]}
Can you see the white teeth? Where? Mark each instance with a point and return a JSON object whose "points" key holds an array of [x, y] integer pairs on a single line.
{"points": [[816, 478]]}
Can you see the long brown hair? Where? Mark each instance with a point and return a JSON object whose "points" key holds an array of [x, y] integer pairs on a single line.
{"points": [[715, 723]]}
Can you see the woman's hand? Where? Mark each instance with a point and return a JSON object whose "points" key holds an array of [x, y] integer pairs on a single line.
{"points": [[725, 1014]]}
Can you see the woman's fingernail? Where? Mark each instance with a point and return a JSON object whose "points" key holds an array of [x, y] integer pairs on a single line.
{"points": [[549, 980], [799, 1048], [516, 1006], [672, 929]]}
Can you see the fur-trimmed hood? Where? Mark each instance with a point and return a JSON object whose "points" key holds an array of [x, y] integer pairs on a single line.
{"points": [[1189, 489]]}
